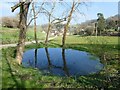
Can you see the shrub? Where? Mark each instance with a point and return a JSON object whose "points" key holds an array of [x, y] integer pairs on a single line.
{"points": [[89, 30], [10, 22]]}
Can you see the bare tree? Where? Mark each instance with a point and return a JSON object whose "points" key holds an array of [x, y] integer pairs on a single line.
{"points": [[52, 20], [49, 14], [24, 7], [74, 7], [67, 24], [35, 14], [65, 68]]}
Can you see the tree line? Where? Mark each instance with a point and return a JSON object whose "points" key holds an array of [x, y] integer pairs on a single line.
{"points": [[100, 26], [109, 24]]}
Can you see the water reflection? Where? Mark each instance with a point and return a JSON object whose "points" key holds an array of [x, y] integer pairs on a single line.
{"points": [[63, 62], [50, 65], [48, 57], [35, 57]]}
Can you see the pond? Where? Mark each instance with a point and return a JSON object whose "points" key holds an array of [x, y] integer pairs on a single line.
{"points": [[62, 62]]}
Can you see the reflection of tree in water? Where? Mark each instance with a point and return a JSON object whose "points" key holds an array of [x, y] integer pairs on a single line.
{"points": [[35, 57], [30, 62], [54, 66], [64, 62], [48, 57]]}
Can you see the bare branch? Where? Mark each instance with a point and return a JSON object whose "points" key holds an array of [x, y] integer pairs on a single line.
{"points": [[59, 20], [46, 11], [19, 4], [39, 9], [35, 14], [16, 6], [31, 21]]}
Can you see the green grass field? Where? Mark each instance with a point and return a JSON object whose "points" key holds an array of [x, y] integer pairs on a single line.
{"points": [[15, 76], [10, 35], [7, 29]]}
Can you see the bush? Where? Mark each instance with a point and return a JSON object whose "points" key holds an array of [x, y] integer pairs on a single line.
{"points": [[89, 30], [10, 22]]}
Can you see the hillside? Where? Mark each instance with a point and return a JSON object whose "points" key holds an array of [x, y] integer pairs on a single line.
{"points": [[91, 22]]}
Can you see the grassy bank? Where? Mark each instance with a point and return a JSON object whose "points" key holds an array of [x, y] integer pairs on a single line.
{"points": [[106, 48]]}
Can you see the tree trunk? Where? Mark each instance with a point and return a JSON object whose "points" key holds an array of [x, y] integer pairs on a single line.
{"points": [[23, 28], [64, 35], [35, 33], [96, 31], [66, 26], [49, 27], [50, 22], [46, 40]]}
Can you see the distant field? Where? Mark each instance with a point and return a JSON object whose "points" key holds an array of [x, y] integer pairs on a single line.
{"points": [[10, 35], [89, 39]]}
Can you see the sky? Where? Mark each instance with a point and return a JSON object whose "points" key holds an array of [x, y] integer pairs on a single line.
{"points": [[108, 8]]}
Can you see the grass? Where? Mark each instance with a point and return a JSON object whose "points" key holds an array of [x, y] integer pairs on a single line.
{"points": [[11, 35], [15, 76], [6, 28], [87, 39], [30, 34]]}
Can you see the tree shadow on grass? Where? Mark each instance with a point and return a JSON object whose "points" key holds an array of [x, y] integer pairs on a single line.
{"points": [[99, 81], [17, 83], [107, 53], [96, 49], [88, 47], [53, 44]]}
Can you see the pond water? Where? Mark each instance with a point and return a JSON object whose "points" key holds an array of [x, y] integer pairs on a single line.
{"points": [[62, 62]]}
